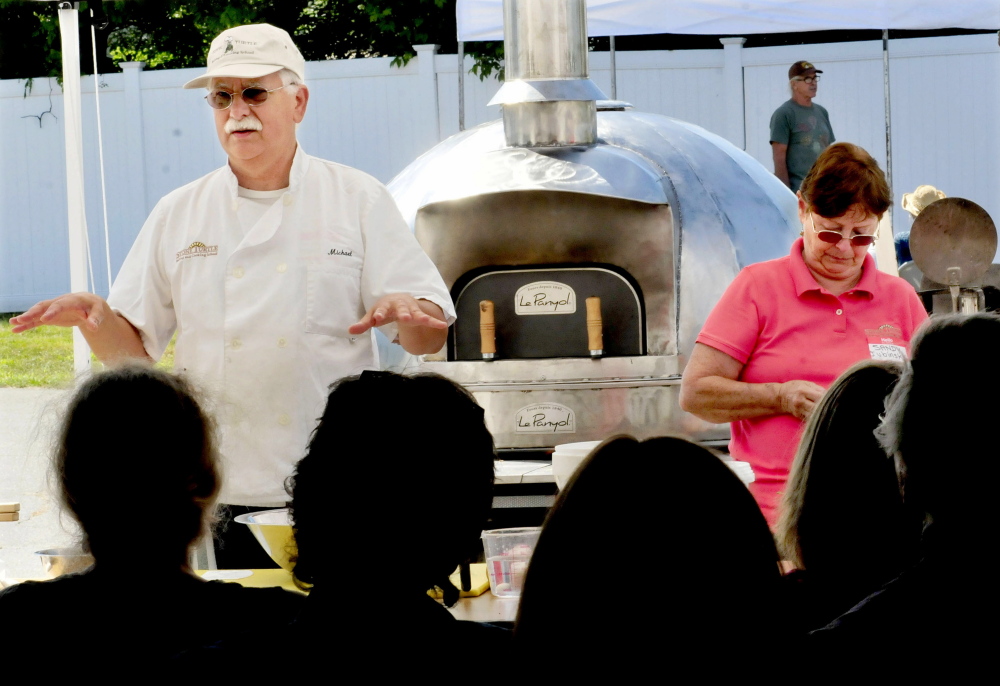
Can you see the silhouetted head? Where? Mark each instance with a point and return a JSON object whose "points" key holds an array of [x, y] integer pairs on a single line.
{"points": [[662, 516], [938, 419], [395, 487], [842, 502], [132, 436]]}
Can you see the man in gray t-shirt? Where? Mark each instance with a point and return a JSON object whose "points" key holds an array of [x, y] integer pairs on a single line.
{"points": [[800, 129]]}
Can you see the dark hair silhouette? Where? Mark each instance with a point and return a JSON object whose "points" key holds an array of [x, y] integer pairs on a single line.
{"points": [[425, 516], [844, 175], [662, 514], [842, 504], [938, 415], [842, 518], [137, 433], [937, 617]]}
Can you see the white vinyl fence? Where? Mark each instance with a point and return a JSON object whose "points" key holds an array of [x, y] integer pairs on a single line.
{"points": [[945, 126]]}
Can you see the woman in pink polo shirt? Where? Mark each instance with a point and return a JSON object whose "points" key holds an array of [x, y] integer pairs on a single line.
{"points": [[786, 328]]}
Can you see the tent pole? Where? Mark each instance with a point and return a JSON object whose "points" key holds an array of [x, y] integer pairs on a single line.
{"points": [[100, 156], [461, 85], [614, 71], [888, 108], [75, 201], [885, 247]]}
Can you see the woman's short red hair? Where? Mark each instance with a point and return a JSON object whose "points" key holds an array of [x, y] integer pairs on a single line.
{"points": [[844, 175]]}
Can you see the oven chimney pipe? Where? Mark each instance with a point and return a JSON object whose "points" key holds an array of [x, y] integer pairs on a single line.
{"points": [[548, 98]]}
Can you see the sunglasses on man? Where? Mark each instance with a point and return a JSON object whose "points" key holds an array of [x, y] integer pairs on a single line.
{"points": [[253, 96], [829, 236]]}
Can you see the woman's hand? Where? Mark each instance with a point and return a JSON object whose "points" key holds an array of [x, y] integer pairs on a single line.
{"points": [[798, 398], [711, 390]]}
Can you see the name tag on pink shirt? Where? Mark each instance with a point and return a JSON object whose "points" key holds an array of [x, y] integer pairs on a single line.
{"points": [[886, 343]]}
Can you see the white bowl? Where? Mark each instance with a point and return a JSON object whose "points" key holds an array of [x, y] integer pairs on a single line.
{"points": [[567, 457]]}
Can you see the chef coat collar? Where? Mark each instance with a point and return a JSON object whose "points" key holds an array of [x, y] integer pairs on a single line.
{"points": [[804, 280], [300, 162]]}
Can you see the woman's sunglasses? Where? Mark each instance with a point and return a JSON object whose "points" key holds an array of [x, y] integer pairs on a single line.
{"points": [[221, 100], [828, 236]]}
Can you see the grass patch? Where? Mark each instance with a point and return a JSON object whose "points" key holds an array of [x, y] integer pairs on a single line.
{"points": [[43, 357]]}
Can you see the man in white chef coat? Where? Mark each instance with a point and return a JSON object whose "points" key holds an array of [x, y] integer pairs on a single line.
{"points": [[273, 270]]}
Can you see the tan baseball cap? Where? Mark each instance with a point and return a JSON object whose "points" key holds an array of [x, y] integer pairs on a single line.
{"points": [[249, 52]]}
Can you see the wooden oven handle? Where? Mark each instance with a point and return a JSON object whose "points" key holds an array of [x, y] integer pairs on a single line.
{"points": [[487, 330], [595, 327]]}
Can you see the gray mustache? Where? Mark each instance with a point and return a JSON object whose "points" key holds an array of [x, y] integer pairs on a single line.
{"points": [[248, 123]]}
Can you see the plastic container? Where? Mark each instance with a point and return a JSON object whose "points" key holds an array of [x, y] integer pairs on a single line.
{"points": [[507, 554], [567, 457]]}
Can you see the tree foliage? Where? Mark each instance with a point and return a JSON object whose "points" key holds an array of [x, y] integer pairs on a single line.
{"points": [[173, 34]]}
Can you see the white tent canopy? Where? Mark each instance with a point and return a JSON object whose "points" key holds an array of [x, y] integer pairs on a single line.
{"points": [[483, 19]]}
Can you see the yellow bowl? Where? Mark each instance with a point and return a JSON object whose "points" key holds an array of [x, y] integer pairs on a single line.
{"points": [[273, 530]]}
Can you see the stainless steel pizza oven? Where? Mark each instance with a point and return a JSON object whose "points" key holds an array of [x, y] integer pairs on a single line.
{"points": [[575, 223]]}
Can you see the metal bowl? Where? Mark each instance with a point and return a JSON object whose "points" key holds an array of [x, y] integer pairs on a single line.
{"points": [[273, 530], [59, 561]]}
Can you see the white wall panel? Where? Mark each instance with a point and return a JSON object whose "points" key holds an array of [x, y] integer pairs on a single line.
{"points": [[34, 259], [179, 139], [945, 125], [370, 115], [477, 94], [686, 84], [367, 121], [34, 255]]}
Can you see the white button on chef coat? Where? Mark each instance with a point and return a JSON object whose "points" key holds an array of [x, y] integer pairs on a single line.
{"points": [[238, 272], [349, 246]]}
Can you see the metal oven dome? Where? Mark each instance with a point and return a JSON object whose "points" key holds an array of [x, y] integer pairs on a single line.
{"points": [[646, 218]]}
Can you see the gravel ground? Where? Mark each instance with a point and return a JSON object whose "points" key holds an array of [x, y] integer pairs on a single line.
{"points": [[28, 417]]}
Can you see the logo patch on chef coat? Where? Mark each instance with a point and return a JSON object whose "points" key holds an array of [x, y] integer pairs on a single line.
{"points": [[198, 249], [886, 343]]}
